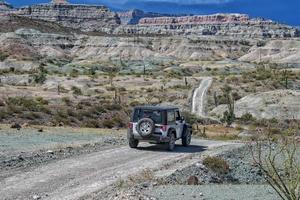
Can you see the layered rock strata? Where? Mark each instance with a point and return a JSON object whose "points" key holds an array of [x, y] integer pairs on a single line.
{"points": [[87, 18]]}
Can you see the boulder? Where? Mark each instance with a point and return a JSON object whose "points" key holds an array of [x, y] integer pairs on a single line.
{"points": [[193, 180], [16, 126]]}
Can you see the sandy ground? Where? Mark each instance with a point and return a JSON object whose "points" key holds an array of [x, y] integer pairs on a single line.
{"points": [[81, 175]]}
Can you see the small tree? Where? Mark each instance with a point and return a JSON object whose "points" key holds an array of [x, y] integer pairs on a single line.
{"points": [[40, 76], [112, 73], [285, 77], [279, 165], [228, 115]]}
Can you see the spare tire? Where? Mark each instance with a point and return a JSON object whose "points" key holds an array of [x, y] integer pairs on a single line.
{"points": [[145, 127]]}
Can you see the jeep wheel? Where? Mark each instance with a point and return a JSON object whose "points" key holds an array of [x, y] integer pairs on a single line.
{"points": [[186, 138], [145, 127], [133, 143], [171, 143]]}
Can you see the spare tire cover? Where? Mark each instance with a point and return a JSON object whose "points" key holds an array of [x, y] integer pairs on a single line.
{"points": [[145, 127]]}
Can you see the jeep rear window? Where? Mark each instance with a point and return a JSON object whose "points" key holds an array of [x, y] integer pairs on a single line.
{"points": [[155, 115]]}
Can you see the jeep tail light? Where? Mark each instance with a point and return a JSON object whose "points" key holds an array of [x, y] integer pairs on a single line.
{"points": [[163, 127], [130, 125]]}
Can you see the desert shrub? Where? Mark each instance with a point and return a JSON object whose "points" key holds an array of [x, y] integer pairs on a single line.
{"points": [[98, 109], [67, 101], [134, 103], [122, 89], [31, 115], [228, 117], [112, 107], [290, 132], [74, 73], [216, 164], [149, 90], [3, 56], [247, 117], [23, 103], [61, 115], [190, 117], [92, 123], [108, 123], [71, 112], [40, 76], [45, 109], [110, 88], [2, 103], [225, 137], [42, 101], [181, 87], [119, 122], [274, 131], [3, 114], [76, 90], [86, 113]]}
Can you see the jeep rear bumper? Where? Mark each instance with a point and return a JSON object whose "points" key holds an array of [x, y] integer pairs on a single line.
{"points": [[157, 138]]}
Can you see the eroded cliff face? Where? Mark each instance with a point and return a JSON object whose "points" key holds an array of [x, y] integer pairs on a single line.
{"points": [[233, 25], [83, 47], [201, 19], [133, 17], [84, 17]]}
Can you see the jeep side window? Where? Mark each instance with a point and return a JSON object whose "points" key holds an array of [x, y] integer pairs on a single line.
{"points": [[178, 118], [171, 117]]}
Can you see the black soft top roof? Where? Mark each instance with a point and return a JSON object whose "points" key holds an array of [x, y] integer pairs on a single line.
{"points": [[157, 107]]}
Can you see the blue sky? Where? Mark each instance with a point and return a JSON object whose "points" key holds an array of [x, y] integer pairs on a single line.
{"points": [[284, 11]]}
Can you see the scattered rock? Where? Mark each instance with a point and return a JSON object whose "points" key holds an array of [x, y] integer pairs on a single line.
{"points": [[36, 197], [41, 130], [50, 152], [61, 124], [25, 125], [16, 126], [193, 180], [245, 134]]}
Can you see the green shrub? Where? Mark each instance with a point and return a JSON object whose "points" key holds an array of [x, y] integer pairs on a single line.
{"points": [[108, 123], [3, 56], [134, 103], [247, 117], [216, 164], [76, 91], [181, 87], [112, 107], [190, 117], [92, 123], [42, 101], [118, 122], [40, 76], [67, 101]]}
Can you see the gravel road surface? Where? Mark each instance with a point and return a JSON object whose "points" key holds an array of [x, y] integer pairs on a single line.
{"points": [[199, 97], [213, 192], [81, 175]]}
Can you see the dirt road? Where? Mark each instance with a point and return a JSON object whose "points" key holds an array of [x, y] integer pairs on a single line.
{"points": [[199, 97], [79, 176]]}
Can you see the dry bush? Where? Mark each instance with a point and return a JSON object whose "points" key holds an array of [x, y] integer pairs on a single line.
{"points": [[216, 164], [280, 163]]}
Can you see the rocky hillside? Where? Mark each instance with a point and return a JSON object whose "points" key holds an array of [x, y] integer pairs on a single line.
{"points": [[88, 18], [278, 104], [50, 30], [279, 51]]}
